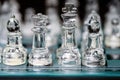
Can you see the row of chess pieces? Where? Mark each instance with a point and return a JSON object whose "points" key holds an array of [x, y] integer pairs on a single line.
{"points": [[54, 29], [68, 54]]}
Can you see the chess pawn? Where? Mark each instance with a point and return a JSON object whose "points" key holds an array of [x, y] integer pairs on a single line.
{"points": [[113, 13], [40, 55], [113, 40], [68, 54], [94, 56], [14, 53], [111, 25]]}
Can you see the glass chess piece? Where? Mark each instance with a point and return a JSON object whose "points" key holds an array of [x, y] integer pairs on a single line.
{"points": [[112, 28], [91, 5], [85, 32], [14, 53], [114, 38], [68, 54], [8, 8], [40, 55], [111, 32], [76, 3], [93, 56]]}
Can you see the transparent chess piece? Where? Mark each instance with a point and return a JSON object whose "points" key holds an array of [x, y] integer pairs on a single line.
{"points": [[76, 3], [14, 53], [114, 37], [112, 27], [84, 40], [85, 32], [91, 5], [112, 13], [9, 7], [40, 55], [68, 54], [93, 56]]}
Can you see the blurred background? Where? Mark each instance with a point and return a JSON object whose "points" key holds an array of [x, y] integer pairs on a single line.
{"points": [[42, 5]]}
